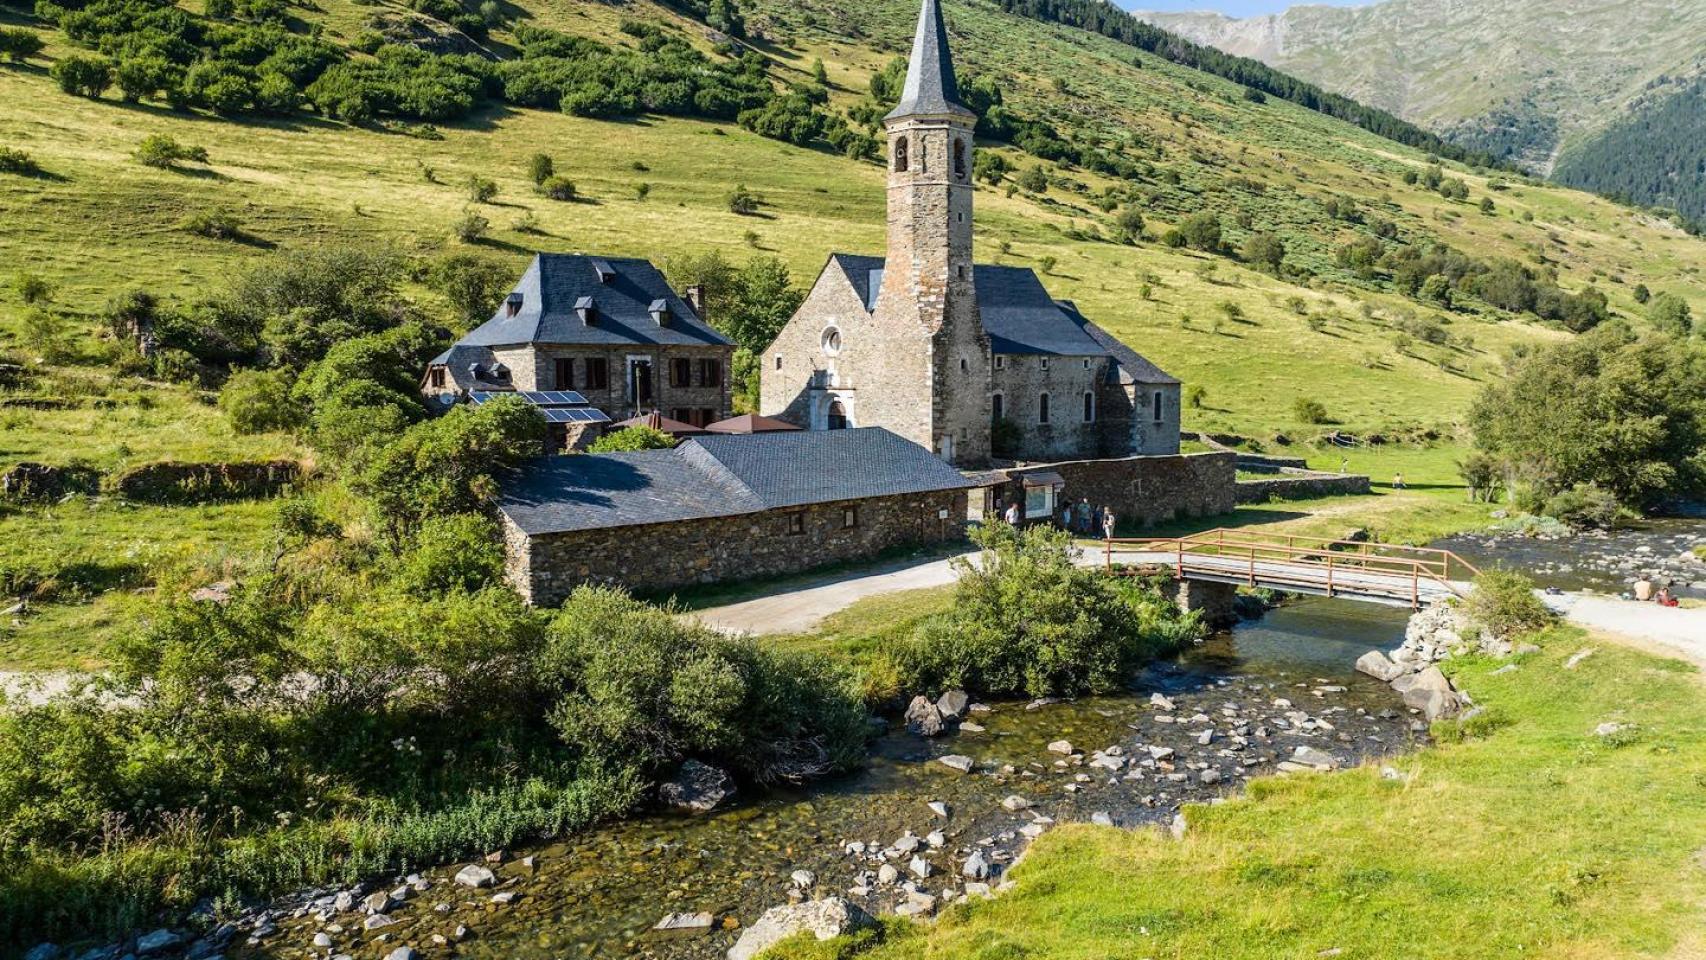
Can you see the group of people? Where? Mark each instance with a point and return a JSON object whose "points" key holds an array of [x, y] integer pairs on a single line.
{"points": [[1080, 518], [1664, 598]]}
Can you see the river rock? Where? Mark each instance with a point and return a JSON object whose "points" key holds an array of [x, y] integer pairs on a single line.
{"points": [[476, 876], [825, 919], [1101, 819], [157, 941], [952, 705], [43, 951], [686, 921], [976, 866], [376, 921], [1313, 757], [1431, 693], [939, 808], [1015, 803], [323, 941], [1062, 747], [403, 953], [920, 868], [936, 839], [1375, 664], [379, 902], [803, 879], [887, 873], [923, 719], [697, 787], [957, 761]]}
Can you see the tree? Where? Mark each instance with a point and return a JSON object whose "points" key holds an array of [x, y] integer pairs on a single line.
{"points": [[482, 189], [558, 188], [1624, 412], [46, 333], [83, 75], [1195, 396], [18, 44], [472, 283], [163, 152], [629, 439], [742, 201], [990, 167], [143, 76], [470, 227], [540, 167], [1436, 289], [820, 75], [297, 304], [32, 288], [256, 401], [1309, 411], [1264, 250], [1202, 231], [1642, 294], [1034, 179], [1130, 225], [1670, 314]]}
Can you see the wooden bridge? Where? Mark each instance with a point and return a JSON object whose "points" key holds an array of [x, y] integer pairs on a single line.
{"points": [[1396, 576]]}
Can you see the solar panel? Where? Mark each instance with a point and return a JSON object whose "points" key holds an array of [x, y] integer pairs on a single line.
{"points": [[538, 398], [565, 398]]}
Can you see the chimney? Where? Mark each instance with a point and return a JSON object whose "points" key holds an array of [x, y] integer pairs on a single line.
{"points": [[587, 310], [512, 304], [695, 297], [660, 312]]}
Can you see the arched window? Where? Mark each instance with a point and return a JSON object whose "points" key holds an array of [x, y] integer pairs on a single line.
{"points": [[959, 158], [831, 341], [1089, 407], [837, 416], [900, 161], [1042, 409], [996, 408], [1157, 406]]}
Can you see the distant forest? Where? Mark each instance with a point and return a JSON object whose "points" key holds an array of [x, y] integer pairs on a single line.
{"points": [[1656, 157], [1099, 16]]}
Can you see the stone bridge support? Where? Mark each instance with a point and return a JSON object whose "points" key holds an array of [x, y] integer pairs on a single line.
{"points": [[1218, 602]]}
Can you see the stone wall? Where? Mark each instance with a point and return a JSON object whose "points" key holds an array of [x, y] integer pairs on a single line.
{"points": [[667, 556], [171, 482], [1302, 485], [1146, 490], [1022, 380]]}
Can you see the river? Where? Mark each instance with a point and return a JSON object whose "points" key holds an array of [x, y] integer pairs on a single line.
{"points": [[1242, 702], [1602, 561]]}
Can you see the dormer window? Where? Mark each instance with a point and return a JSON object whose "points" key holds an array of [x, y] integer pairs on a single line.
{"points": [[605, 271], [512, 304], [900, 158], [500, 373], [660, 312], [587, 310]]}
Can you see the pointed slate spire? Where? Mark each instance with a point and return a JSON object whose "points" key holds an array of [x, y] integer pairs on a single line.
{"points": [[930, 86]]}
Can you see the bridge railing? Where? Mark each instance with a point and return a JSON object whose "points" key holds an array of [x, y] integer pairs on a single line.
{"points": [[1313, 562]]}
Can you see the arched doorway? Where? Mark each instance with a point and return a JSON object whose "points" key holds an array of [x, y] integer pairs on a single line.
{"points": [[837, 419]]}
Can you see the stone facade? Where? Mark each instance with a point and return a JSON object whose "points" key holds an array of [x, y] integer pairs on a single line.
{"points": [[1146, 490], [536, 367], [545, 568]]}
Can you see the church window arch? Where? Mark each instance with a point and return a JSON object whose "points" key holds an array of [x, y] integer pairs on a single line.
{"points": [[900, 154], [1089, 407], [832, 340], [959, 158], [1042, 409]]}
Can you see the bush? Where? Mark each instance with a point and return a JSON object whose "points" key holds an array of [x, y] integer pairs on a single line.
{"points": [[18, 162], [540, 167], [558, 188], [1265, 251], [629, 439], [1504, 603], [214, 226], [1195, 396], [256, 401], [742, 201], [1033, 179], [482, 189], [47, 334], [1201, 231], [83, 75], [1130, 225], [1027, 621], [641, 688], [1309, 411], [470, 227], [163, 152], [18, 44], [32, 288], [1584, 505], [461, 552]]}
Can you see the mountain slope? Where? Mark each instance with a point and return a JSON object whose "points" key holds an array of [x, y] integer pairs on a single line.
{"points": [[1522, 79]]}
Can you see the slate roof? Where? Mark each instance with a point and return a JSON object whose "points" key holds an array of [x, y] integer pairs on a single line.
{"points": [[719, 476], [1133, 366], [930, 89], [622, 290], [1017, 311]]}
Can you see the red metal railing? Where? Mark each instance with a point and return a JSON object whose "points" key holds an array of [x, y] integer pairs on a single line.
{"points": [[1285, 560]]}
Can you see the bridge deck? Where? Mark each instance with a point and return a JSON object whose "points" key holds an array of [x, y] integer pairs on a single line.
{"points": [[1376, 573]]}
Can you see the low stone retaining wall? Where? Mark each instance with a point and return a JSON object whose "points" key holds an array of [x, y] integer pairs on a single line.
{"points": [[1262, 463], [1148, 490], [171, 482], [1302, 485], [28, 481]]}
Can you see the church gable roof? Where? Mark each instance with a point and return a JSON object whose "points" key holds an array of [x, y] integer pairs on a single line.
{"points": [[1133, 366], [621, 293]]}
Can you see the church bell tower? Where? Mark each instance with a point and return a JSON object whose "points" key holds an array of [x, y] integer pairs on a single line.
{"points": [[928, 276]]}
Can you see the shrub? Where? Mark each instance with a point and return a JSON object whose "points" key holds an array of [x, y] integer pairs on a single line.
{"points": [[83, 75], [1048, 263], [47, 333], [558, 188], [256, 401], [642, 190], [214, 226], [1130, 225], [17, 161], [742, 201], [32, 288], [1034, 179], [482, 189], [1309, 410], [18, 44], [1264, 250], [1201, 231], [540, 167], [641, 688], [1584, 505], [1670, 314], [461, 552], [1503, 602], [163, 152], [1195, 396], [470, 227], [632, 438], [1028, 621]]}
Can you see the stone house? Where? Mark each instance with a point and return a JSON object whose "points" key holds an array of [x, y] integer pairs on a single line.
{"points": [[719, 508], [607, 328], [973, 361]]}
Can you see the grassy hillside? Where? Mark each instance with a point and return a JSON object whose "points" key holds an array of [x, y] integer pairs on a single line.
{"points": [[96, 223]]}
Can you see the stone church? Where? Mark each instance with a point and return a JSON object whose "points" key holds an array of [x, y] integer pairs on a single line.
{"points": [[972, 361]]}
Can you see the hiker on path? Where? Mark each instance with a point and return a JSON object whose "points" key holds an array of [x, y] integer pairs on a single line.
{"points": [[1109, 521], [1012, 514], [1397, 481]]}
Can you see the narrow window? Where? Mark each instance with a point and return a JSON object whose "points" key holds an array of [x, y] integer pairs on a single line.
{"points": [[683, 414], [1157, 406], [435, 377], [1086, 363], [796, 524], [597, 374], [959, 158], [710, 373], [681, 372], [995, 407], [1045, 363], [1000, 362], [707, 416], [1089, 407], [778, 361], [849, 517], [1042, 409], [565, 373], [965, 366], [900, 158]]}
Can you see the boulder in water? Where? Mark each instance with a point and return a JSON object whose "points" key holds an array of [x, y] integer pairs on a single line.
{"points": [[825, 919], [697, 787], [923, 718]]}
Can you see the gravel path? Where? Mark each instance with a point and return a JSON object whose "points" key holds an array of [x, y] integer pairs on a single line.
{"points": [[1672, 628]]}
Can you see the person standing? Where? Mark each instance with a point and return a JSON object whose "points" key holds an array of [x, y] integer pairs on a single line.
{"points": [[1084, 515], [1109, 522], [1397, 481], [1012, 514]]}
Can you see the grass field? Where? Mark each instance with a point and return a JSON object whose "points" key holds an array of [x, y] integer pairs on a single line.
{"points": [[1538, 839]]}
